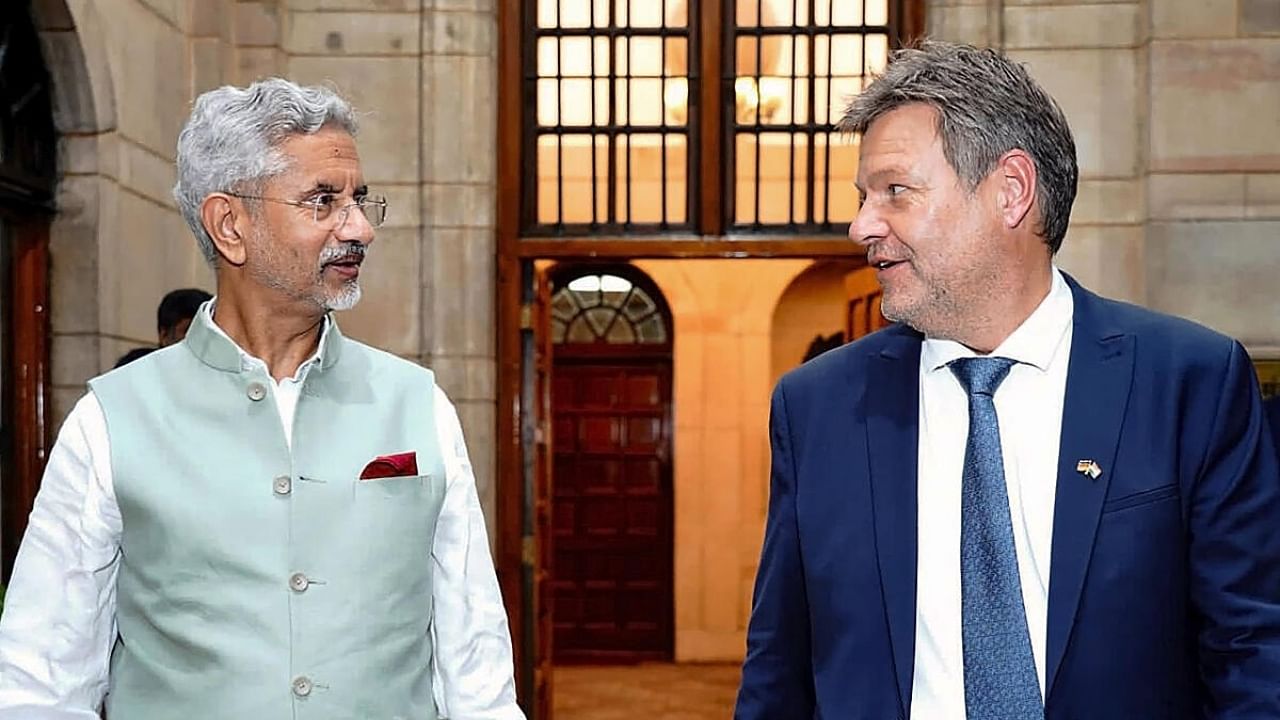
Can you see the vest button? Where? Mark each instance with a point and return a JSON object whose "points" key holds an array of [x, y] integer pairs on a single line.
{"points": [[256, 391], [282, 485], [298, 582], [302, 686]]}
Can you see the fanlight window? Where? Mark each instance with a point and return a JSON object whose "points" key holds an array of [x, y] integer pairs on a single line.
{"points": [[606, 309]]}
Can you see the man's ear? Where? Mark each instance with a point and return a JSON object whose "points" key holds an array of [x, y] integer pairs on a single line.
{"points": [[1016, 174], [224, 219]]}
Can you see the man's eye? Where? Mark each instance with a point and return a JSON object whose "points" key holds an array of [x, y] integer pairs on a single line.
{"points": [[324, 200], [895, 190]]}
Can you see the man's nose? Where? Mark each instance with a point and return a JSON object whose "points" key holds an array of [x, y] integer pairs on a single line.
{"points": [[868, 225]]}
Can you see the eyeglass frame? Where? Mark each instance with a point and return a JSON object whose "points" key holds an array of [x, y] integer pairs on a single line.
{"points": [[315, 206]]}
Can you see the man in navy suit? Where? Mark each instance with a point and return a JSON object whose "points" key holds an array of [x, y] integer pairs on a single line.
{"points": [[1024, 500]]}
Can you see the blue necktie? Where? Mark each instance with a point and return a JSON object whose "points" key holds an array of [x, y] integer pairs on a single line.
{"points": [[1000, 680]]}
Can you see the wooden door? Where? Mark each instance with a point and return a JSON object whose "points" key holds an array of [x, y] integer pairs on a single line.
{"points": [[862, 293], [613, 507]]}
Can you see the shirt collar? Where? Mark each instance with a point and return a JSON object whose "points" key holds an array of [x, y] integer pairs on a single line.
{"points": [[249, 362], [1035, 342]]}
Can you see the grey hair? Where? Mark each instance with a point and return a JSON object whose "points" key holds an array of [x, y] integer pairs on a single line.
{"points": [[231, 142], [987, 105]]}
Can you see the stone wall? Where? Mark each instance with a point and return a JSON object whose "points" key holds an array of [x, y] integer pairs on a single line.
{"points": [[422, 74], [1175, 106]]}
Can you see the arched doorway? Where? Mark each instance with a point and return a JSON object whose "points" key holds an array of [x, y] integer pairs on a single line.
{"points": [[28, 175], [612, 508]]}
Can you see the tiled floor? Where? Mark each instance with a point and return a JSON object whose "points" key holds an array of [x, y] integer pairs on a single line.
{"points": [[645, 692]]}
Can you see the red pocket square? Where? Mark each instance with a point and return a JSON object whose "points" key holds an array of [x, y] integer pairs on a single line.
{"points": [[386, 466]]}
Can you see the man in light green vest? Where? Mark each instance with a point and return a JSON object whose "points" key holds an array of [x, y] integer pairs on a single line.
{"points": [[267, 520]]}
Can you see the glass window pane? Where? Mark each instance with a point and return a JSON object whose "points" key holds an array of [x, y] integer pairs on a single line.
{"points": [[562, 305], [677, 13], [846, 12], [652, 330], [621, 333], [548, 56], [877, 12], [548, 179], [558, 328], [575, 13], [599, 319], [638, 305], [587, 299], [548, 103], [579, 332]]}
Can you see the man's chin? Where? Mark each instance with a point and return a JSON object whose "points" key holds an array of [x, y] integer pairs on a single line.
{"points": [[345, 299]]}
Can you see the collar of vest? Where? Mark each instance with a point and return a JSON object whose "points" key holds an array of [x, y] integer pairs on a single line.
{"points": [[218, 351]]}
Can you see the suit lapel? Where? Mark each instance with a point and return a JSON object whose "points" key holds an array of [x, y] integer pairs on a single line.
{"points": [[1098, 381], [892, 412]]}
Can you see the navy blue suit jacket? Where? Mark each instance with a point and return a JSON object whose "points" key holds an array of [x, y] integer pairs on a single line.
{"points": [[1164, 593]]}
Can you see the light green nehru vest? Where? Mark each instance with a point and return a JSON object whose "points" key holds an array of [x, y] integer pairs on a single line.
{"points": [[257, 583]]}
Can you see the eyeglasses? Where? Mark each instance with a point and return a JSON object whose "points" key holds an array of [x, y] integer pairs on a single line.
{"points": [[325, 210]]}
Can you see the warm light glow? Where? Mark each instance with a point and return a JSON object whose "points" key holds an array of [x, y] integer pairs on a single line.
{"points": [[597, 283]]}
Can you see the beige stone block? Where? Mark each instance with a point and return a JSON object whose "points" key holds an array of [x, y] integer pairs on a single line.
{"points": [[144, 234], [256, 63], [1196, 196], [358, 5], [459, 277], [1214, 106], [1062, 2], [173, 12], [404, 203], [74, 359], [1211, 272], [207, 64], [1259, 17], [465, 378], [719, 515], [111, 349], [462, 33], [962, 23], [211, 18], [460, 109], [471, 5], [150, 75], [387, 315], [454, 205], [1262, 196], [1071, 26], [79, 154], [1107, 260], [257, 24], [1108, 202], [1193, 18], [381, 90], [336, 33], [1098, 91], [63, 400], [73, 248], [145, 172]]}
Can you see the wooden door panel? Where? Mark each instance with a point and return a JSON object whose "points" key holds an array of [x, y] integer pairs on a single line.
{"points": [[613, 586]]}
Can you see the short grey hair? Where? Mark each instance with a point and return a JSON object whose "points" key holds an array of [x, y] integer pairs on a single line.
{"points": [[231, 142], [987, 105]]}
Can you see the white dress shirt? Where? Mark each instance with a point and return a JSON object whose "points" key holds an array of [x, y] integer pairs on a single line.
{"points": [[59, 621], [1029, 408]]}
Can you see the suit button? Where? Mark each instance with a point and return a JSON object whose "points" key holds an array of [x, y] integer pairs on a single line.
{"points": [[298, 582], [282, 485], [256, 391], [302, 686]]}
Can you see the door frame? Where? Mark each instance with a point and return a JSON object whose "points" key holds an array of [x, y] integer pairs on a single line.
{"points": [[515, 554]]}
